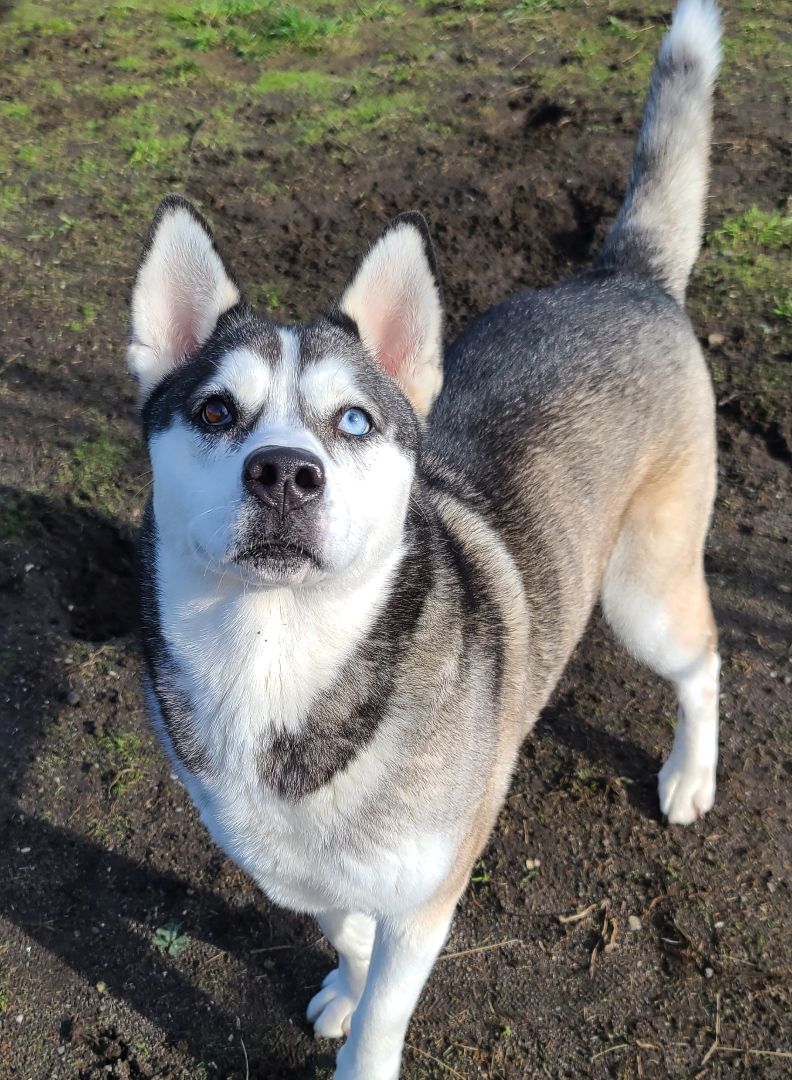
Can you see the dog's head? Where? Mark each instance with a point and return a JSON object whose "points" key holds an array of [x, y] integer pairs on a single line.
{"points": [[284, 454]]}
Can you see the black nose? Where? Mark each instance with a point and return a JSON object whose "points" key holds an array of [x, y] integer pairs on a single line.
{"points": [[283, 478]]}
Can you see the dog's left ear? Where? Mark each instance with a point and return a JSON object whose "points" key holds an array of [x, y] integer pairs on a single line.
{"points": [[395, 301], [181, 290]]}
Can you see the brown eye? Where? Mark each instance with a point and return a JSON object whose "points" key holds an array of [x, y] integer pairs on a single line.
{"points": [[216, 413]]}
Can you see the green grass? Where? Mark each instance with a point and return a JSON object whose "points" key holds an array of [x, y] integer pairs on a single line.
{"points": [[12, 201], [14, 110], [88, 312], [265, 296], [124, 759], [91, 473], [748, 256], [95, 135], [746, 233], [155, 151], [121, 91], [480, 875], [16, 518], [251, 28], [743, 271], [312, 84], [350, 121]]}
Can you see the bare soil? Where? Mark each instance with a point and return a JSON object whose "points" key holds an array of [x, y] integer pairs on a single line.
{"points": [[682, 943]]}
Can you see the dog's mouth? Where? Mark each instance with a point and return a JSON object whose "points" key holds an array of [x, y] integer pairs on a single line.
{"points": [[277, 557]]}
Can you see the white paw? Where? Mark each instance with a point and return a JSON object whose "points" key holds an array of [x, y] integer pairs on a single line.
{"points": [[330, 1011], [686, 792]]}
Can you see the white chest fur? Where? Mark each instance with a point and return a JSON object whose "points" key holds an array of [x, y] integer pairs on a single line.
{"points": [[252, 664]]}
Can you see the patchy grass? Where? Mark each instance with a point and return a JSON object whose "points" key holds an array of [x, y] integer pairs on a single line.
{"points": [[191, 78], [757, 40], [16, 521], [311, 84], [742, 278], [251, 28], [125, 761], [747, 260], [90, 475]]}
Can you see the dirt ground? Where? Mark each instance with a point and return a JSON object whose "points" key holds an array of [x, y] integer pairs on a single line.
{"points": [[129, 946]]}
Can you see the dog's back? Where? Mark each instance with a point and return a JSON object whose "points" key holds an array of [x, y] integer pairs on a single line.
{"points": [[561, 405]]}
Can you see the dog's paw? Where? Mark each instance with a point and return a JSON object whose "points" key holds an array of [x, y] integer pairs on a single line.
{"points": [[686, 792], [330, 1011]]}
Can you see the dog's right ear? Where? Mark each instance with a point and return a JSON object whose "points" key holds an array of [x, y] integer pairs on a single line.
{"points": [[181, 290]]}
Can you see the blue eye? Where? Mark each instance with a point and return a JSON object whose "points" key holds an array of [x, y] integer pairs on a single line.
{"points": [[354, 422]]}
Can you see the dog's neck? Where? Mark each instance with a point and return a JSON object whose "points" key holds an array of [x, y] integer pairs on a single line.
{"points": [[255, 659]]}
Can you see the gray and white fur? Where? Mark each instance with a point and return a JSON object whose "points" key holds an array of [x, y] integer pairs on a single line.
{"points": [[364, 565]]}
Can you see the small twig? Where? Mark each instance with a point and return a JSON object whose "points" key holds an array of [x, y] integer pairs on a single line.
{"points": [[479, 948], [522, 59], [123, 772], [756, 1053], [90, 661], [593, 960], [633, 55], [214, 956], [739, 960], [247, 1063], [610, 1049], [657, 900], [714, 1046], [437, 1061], [610, 944], [564, 919], [273, 948]]}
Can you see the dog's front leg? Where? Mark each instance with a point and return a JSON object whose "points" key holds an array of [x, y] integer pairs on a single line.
{"points": [[405, 949], [352, 937]]}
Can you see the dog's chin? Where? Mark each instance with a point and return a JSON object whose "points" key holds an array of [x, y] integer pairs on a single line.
{"points": [[274, 565]]}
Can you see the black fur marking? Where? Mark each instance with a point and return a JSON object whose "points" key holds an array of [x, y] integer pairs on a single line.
{"points": [[174, 396], [482, 625], [161, 668], [416, 219], [395, 416], [343, 321], [346, 720]]}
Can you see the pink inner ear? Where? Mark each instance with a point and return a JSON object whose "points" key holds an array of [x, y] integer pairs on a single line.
{"points": [[392, 338], [183, 330]]}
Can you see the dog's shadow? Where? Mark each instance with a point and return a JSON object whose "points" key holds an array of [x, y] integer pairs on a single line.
{"points": [[562, 724], [92, 921], [97, 909]]}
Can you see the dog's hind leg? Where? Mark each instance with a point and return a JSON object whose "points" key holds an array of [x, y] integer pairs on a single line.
{"points": [[655, 597], [352, 936]]}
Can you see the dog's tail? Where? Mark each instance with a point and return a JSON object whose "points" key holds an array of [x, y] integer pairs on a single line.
{"points": [[658, 229]]}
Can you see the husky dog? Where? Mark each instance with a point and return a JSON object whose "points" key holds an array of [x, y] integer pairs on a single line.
{"points": [[364, 564]]}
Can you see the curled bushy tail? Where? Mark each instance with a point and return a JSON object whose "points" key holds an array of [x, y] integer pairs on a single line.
{"points": [[658, 229]]}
